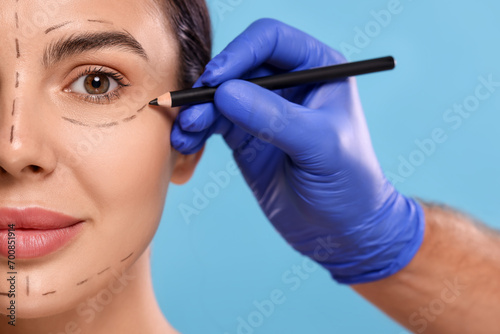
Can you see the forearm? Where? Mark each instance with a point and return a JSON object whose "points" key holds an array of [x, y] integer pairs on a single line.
{"points": [[453, 283]]}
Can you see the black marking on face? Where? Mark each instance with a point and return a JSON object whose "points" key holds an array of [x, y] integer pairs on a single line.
{"points": [[128, 119], [101, 21], [18, 52], [83, 282], [74, 121], [57, 26], [107, 125], [142, 108], [127, 257], [12, 134], [78, 284], [49, 293], [102, 271], [18, 55]]}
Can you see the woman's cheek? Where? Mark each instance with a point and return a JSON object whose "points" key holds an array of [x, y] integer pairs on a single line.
{"points": [[125, 171]]}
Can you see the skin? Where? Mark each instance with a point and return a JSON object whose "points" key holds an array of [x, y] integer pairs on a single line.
{"points": [[451, 285], [115, 177]]}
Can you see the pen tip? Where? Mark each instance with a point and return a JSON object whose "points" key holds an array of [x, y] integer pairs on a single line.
{"points": [[154, 102]]}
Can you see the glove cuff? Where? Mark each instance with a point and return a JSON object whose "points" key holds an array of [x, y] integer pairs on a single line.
{"points": [[391, 252]]}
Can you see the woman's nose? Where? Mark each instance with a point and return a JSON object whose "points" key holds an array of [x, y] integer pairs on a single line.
{"points": [[25, 147]]}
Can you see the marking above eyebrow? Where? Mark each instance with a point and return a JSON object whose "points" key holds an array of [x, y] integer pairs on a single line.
{"points": [[101, 21], [57, 26]]}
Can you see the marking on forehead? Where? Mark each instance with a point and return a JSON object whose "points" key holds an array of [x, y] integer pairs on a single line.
{"points": [[57, 26], [102, 271], [49, 293], [12, 134], [127, 257], [101, 21], [18, 53]]}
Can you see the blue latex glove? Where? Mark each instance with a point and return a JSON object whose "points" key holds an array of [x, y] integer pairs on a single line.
{"points": [[306, 154]]}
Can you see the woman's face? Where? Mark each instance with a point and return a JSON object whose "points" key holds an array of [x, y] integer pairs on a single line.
{"points": [[77, 137]]}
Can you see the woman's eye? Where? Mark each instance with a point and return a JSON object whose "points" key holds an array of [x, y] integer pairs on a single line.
{"points": [[94, 84]]}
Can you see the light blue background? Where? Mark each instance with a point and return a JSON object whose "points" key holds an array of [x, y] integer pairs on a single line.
{"points": [[209, 272]]}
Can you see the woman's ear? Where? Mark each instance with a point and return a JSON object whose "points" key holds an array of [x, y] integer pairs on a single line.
{"points": [[184, 166]]}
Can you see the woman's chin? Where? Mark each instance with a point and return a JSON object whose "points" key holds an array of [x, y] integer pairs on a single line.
{"points": [[32, 308]]}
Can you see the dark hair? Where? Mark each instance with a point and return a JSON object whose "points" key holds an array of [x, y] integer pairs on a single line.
{"points": [[190, 22]]}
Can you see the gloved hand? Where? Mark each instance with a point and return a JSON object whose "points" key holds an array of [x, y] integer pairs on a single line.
{"points": [[306, 154]]}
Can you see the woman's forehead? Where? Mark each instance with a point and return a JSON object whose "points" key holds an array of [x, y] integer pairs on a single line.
{"points": [[41, 11], [136, 25], [39, 17]]}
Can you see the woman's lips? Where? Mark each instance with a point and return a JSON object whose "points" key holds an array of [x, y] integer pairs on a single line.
{"points": [[37, 232]]}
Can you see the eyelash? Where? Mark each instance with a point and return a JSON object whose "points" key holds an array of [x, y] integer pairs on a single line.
{"points": [[107, 97]]}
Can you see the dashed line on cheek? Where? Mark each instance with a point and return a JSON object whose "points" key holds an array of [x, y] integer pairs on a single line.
{"points": [[103, 271], [83, 282], [107, 125], [128, 119], [74, 121], [142, 108]]}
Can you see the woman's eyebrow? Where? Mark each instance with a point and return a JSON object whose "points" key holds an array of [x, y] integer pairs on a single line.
{"points": [[91, 41]]}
